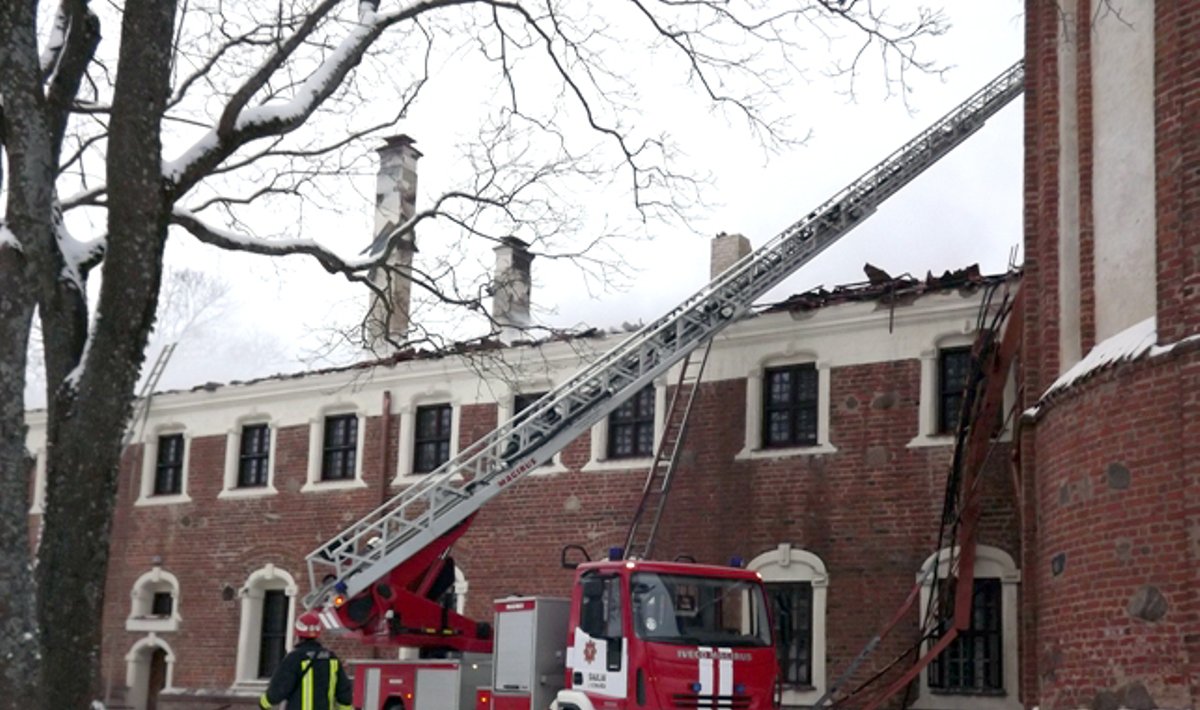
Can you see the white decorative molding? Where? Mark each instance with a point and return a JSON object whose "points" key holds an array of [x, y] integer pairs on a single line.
{"points": [[599, 461], [146, 496], [233, 451], [752, 447], [990, 563], [141, 617], [137, 668], [267, 577], [787, 563], [316, 450], [407, 445]]}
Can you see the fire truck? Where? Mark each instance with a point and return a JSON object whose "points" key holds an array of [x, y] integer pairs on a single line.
{"points": [[636, 633]]}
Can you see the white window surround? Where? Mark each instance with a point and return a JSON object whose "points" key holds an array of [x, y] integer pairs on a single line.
{"points": [[752, 447], [599, 460], [990, 563], [505, 412], [137, 667], [157, 580], [316, 451], [267, 578], [407, 444], [233, 451], [792, 564], [150, 464], [38, 505], [927, 434]]}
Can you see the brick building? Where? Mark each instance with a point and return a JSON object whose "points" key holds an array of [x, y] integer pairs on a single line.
{"points": [[228, 487], [1111, 360], [1090, 567]]}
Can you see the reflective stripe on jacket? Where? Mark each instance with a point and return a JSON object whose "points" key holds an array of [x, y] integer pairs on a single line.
{"points": [[309, 678]]}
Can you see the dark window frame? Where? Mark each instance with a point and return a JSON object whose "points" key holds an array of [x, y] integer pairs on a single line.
{"points": [[254, 456], [162, 604], [434, 427], [273, 631], [797, 410], [168, 466], [953, 372], [339, 448], [631, 426], [973, 663], [794, 640]]}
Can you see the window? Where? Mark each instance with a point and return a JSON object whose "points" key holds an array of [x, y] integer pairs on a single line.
{"points": [[161, 604], [273, 637], [155, 602], [431, 445], [973, 662], [168, 469], [791, 607], [790, 401], [954, 367], [797, 589], [522, 402], [978, 669], [268, 609], [340, 447], [254, 458], [631, 427], [600, 606]]}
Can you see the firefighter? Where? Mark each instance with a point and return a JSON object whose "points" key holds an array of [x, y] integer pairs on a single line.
{"points": [[310, 677]]}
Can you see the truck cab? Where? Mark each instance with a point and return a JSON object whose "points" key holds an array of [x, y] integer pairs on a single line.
{"points": [[648, 634]]}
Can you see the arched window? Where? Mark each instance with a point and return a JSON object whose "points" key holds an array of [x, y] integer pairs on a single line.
{"points": [[796, 584], [155, 602], [149, 669], [265, 635], [982, 662]]}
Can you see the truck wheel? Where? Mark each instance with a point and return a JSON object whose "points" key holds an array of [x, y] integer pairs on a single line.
{"points": [[393, 704]]}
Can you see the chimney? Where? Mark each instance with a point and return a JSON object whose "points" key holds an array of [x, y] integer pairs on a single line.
{"points": [[395, 202], [511, 287], [727, 250]]}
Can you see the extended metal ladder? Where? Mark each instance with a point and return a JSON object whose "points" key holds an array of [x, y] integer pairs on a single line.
{"points": [[141, 406], [367, 550], [639, 541]]}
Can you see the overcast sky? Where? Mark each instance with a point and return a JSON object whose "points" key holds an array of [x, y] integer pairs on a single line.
{"points": [[964, 210]]}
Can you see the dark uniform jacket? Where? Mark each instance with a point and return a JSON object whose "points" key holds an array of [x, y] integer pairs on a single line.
{"points": [[309, 678]]}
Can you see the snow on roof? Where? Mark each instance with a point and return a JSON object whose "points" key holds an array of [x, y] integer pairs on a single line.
{"points": [[1138, 340]]}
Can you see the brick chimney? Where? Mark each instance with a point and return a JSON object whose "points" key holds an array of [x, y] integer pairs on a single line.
{"points": [[511, 288], [395, 202], [727, 250]]}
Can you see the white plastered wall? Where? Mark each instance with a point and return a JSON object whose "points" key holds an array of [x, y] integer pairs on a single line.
{"points": [[1069, 333], [1123, 194]]}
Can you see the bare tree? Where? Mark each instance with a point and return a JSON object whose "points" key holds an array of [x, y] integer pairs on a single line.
{"points": [[269, 103]]}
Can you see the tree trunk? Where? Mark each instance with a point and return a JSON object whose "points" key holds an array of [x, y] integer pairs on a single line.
{"points": [[18, 629], [28, 218], [87, 421]]}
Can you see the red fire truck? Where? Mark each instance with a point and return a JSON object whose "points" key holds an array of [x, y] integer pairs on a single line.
{"points": [[638, 634]]}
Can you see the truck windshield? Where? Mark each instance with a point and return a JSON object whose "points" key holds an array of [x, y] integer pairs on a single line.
{"points": [[699, 611]]}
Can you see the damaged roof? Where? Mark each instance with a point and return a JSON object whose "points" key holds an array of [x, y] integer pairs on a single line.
{"points": [[880, 287], [889, 290]]}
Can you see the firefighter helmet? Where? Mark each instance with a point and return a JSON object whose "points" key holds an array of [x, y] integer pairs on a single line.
{"points": [[308, 625]]}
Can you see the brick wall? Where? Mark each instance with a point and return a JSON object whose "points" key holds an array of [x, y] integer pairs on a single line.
{"points": [[869, 511], [1177, 182], [1109, 483], [1117, 556]]}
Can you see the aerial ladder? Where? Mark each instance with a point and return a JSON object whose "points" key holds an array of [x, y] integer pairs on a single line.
{"points": [[395, 557]]}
